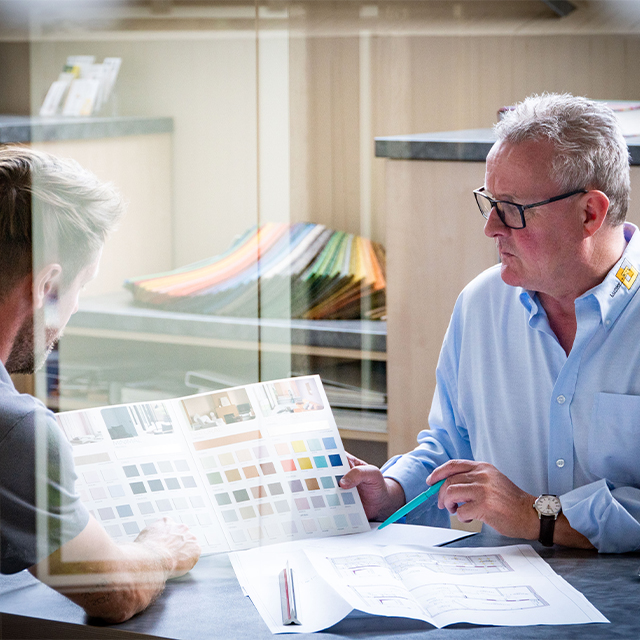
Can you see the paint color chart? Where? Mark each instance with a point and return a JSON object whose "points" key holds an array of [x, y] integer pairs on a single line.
{"points": [[242, 467]]}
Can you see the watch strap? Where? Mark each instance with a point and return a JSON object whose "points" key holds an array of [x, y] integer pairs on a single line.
{"points": [[547, 527]]}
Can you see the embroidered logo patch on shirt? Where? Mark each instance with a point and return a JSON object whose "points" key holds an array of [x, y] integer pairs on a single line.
{"points": [[627, 274]]}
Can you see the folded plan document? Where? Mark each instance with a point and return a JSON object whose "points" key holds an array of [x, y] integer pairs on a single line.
{"points": [[508, 586]]}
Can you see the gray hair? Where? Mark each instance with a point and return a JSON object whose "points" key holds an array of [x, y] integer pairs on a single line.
{"points": [[590, 150], [51, 210]]}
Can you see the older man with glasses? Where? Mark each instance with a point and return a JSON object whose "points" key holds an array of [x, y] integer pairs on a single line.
{"points": [[535, 423]]}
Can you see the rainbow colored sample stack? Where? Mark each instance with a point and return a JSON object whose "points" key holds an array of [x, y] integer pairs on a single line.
{"points": [[302, 270]]}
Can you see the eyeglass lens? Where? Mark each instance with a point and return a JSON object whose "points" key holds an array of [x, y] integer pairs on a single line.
{"points": [[508, 213]]}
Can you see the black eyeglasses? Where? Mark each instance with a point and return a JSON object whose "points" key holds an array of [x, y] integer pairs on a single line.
{"points": [[510, 213]]}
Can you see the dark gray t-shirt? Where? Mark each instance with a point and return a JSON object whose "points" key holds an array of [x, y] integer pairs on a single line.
{"points": [[39, 509]]}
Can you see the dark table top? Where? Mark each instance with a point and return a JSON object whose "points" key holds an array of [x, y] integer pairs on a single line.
{"points": [[208, 603]]}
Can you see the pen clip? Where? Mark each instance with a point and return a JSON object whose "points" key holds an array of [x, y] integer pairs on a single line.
{"points": [[288, 597]]}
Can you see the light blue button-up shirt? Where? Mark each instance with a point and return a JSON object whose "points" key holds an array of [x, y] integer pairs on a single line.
{"points": [[508, 394]]}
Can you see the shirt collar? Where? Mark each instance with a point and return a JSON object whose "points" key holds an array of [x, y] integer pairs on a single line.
{"points": [[613, 293]]}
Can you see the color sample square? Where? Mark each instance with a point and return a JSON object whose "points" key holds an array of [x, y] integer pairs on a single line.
{"points": [[146, 508], [329, 443], [131, 471], [298, 446], [226, 458], [124, 510], [241, 495], [295, 486], [282, 449], [317, 502], [188, 518], [302, 504], [288, 465], [275, 488], [91, 477], [204, 519], [265, 509], [180, 503], [188, 482], [305, 463], [348, 498], [208, 462], [214, 477], [320, 462], [137, 487], [289, 528], [223, 499], [261, 451], [196, 502], [110, 475], [312, 484], [341, 521], [258, 492], [165, 466], [116, 491], [309, 526], [335, 460], [268, 468], [244, 455], [230, 516], [327, 482], [113, 530], [325, 523], [156, 485], [338, 478], [247, 512], [131, 528], [172, 483], [181, 465], [106, 513], [164, 505], [333, 500], [254, 533], [250, 472], [148, 468], [355, 519], [98, 493], [238, 536], [233, 475], [282, 506], [314, 445]]}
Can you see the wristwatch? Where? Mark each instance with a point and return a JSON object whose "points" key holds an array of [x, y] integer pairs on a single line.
{"points": [[548, 508]]}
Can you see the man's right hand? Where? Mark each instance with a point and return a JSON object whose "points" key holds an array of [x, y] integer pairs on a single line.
{"points": [[380, 496], [173, 541]]}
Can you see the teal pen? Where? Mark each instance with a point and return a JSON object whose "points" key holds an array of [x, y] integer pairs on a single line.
{"points": [[410, 506]]}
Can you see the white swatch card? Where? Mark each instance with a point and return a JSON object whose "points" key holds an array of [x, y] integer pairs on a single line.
{"points": [[242, 467]]}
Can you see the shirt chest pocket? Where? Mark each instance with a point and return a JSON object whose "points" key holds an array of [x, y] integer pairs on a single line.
{"points": [[614, 440]]}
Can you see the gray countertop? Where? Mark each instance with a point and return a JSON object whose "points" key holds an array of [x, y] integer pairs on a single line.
{"points": [[118, 312], [208, 603], [38, 129], [467, 145]]}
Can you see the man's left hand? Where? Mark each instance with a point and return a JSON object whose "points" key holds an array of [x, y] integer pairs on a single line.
{"points": [[478, 491]]}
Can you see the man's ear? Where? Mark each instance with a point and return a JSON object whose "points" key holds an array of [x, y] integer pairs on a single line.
{"points": [[46, 284], [596, 205]]}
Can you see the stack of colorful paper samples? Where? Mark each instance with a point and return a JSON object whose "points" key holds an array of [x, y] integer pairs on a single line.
{"points": [[302, 270]]}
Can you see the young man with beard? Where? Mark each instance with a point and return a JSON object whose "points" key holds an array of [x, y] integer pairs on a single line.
{"points": [[54, 219]]}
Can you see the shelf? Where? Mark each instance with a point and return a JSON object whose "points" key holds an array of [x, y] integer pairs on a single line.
{"points": [[115, 317]]}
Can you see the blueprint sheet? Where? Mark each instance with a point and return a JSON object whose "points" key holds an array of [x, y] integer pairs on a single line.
{"points": [[508, 586]]}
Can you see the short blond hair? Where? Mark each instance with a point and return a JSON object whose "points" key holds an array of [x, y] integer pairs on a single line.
{"points": [[51, 210]]}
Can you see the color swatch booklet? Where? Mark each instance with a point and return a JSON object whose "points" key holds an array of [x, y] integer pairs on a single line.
{"points": [[242, 467]]}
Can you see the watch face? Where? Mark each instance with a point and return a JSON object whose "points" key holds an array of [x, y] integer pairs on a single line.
{"points": [[548, 505]]}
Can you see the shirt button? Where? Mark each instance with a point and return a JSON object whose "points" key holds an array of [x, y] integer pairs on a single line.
{"points": [[560, 463], [608, 322], [560, 399]]}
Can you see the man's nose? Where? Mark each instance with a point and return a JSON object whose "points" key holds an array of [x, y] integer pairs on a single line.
{"points": [[494, 226]]}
